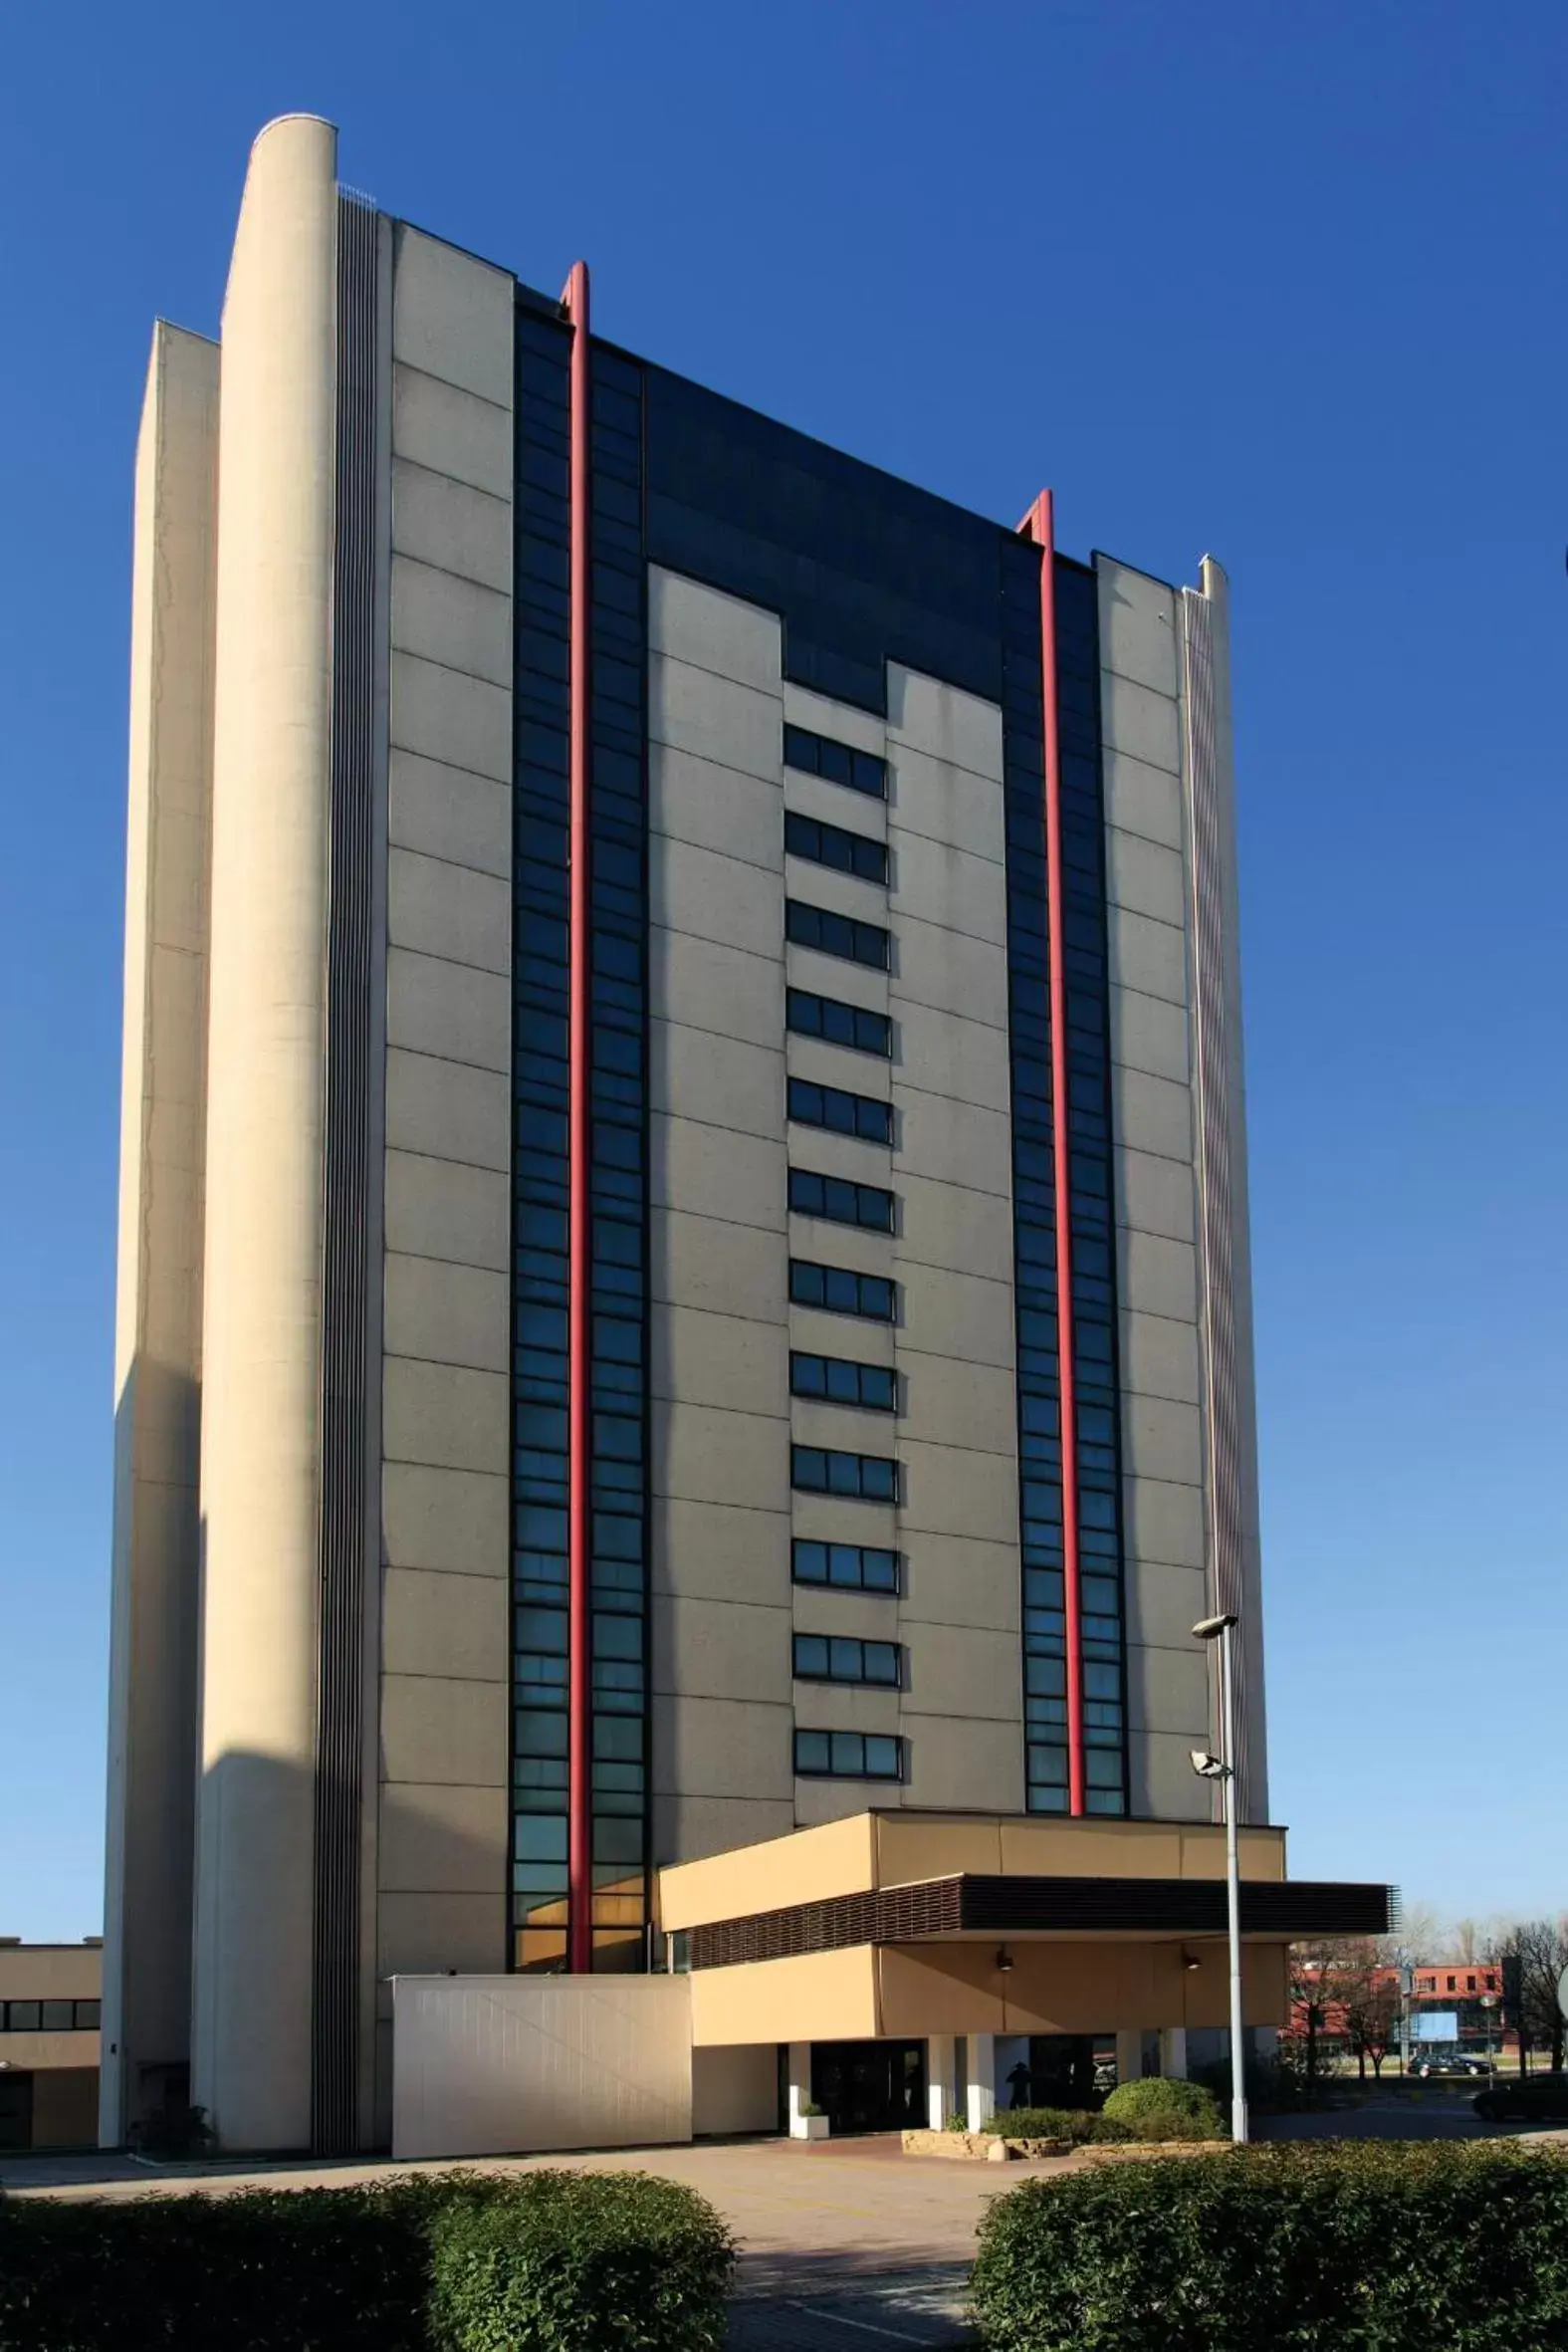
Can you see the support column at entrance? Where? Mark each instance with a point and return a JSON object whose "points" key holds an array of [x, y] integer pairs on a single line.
{"points": [[799, 2087], [940, 2060], [980, 2091], [1173, 2052], [1129, 2057]]}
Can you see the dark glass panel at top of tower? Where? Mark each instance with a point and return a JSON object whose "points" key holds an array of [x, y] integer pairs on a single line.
{"points": [[864, 572]]}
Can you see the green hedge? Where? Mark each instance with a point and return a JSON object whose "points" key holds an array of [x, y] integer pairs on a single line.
{"points": [[544, 2261], [1337, 2247], [1157, 2098]]}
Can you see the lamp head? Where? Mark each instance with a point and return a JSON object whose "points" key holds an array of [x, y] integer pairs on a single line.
{"points": [[1211, 1628], [1004, 1963]]}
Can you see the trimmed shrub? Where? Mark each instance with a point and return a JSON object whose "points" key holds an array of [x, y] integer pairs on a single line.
{"points": [[586, 2260], [1058, 2123], [1328, 2246], [1160, 2097], [397, 2266]]}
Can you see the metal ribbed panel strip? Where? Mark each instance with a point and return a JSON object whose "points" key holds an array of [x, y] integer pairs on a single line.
{"points": [[889, 1915], [995, 1906], [1211, 1055], [345, 1533]]}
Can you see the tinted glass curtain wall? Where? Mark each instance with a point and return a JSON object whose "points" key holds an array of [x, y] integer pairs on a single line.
{"points": [[1098, 1546], [616, 1190]]}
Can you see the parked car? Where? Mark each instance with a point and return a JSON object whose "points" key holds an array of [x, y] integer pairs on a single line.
{"points": [[1439, 2063], [1524, 2099]]}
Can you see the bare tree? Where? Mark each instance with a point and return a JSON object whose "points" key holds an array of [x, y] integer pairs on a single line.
{"points": [[1466, 1940], [1373, 2007], [1540, 1946], [1422, 1938], [1329, 1985]]}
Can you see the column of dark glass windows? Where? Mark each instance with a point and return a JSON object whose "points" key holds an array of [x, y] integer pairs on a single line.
{"points": [[1033, 1189], [1091, 1198], [617, 1162], [540, 1502]]}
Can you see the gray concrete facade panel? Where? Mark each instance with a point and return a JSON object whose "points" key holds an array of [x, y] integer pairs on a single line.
{"points": [[445, 1416], [445, 1110], [1144, 801], [439, 1733], [714, 808], [698, 1075], [450, 911], [1154, 1195], [453, 432], [713, 1172], [702, 1453], [721, 1551], [443, 714], [724, 991], [727, 1361], [712, 1263], [447, 1522], [1145, 877], [724, 899], [452, 620], [454, 1627], [447, 524], [450, 316], [697, 624], [451, 1013], [693, 710], [444, 1209], [446, 1313], [1136, 720], [447, 812], [944, 722], [1148, 1033]]}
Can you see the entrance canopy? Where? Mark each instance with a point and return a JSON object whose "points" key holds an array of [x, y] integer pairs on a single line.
{"points": [[906, 1923]]}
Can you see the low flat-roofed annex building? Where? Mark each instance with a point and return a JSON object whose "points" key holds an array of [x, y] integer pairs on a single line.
{"points": [[683, 1264], [49, 2043]]}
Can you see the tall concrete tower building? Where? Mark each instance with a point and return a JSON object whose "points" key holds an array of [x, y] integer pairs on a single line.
{"points": [[684, 1243]]}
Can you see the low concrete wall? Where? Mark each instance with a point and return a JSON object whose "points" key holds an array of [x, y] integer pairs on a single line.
{"points": [[502, 2065], [735, 2089], [992, 2148]]}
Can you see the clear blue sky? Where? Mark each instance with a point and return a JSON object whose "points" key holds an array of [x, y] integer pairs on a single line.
{"points": [[1280, 284]]}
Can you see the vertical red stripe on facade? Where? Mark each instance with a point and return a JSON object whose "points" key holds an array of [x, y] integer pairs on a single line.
{"points": [[1040, 526], [579, 1809]]}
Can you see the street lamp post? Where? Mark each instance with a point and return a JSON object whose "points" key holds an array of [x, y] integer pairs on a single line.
{"points": [[1222, 1768]]}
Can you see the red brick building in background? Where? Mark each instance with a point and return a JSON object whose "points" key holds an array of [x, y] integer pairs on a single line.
{"points": [[1470, 1989]]}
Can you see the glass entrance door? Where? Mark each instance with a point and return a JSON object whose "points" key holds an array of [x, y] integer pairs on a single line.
{"points": [[16, 2111], [870, 2086]]}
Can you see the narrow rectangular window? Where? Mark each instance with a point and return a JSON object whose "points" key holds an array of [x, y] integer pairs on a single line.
{"points": [[820, 1657], [833, 845], [847, 1756], [840, 763], [868, 1206], [835, 934], [851, 1568], [837, 1024], [842, 1113], [840, 1382], [823, 1470], [841, 1291]]}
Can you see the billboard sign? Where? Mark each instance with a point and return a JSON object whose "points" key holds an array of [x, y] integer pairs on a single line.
{"points": [[1436, 2025]]}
